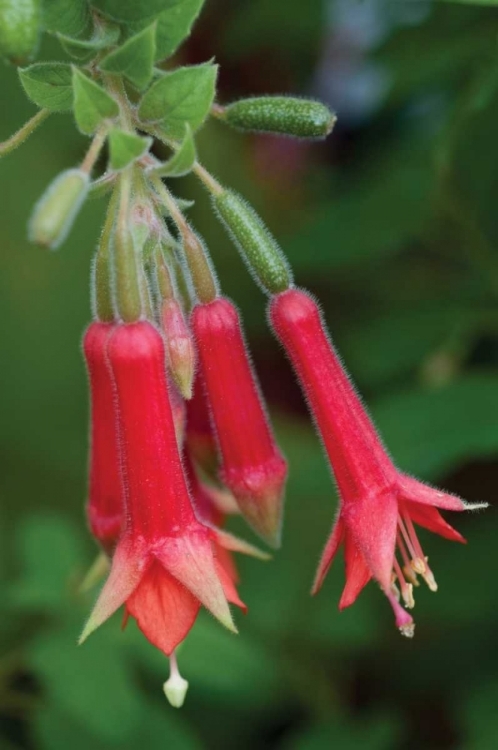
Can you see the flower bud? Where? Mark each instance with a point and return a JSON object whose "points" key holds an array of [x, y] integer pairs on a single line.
{"points": [[19, 29], [180, 350], [252, 465], [301, 118], [58, 207], [257, 246]]}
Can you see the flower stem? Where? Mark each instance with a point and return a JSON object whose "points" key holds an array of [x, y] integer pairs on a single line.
{"points": [[128, 292], [93, 152], [203, 278], [102, 283], [23, 133]]}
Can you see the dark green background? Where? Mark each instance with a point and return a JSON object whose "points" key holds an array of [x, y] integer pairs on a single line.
{"points": [[393, 224]]}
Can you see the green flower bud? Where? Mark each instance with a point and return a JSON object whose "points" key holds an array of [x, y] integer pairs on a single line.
{"points": [[257, 246], [58, 207], [301, 118], [19, 29]]}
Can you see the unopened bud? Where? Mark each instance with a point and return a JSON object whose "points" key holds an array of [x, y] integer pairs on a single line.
{"points": [[256, 244], [144, 223], [180, 349], [301, 118], [19, 29], [55, 212]]}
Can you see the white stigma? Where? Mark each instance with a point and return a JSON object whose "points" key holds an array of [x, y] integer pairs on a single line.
{"points": [[175, 688]]}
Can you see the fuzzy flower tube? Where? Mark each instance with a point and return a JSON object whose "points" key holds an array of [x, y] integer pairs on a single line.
{"points": [[379, 504], [105, 511], [252, 466], [164, 566]]}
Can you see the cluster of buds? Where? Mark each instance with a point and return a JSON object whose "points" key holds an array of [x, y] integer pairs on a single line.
{"points": [[180, 437]]}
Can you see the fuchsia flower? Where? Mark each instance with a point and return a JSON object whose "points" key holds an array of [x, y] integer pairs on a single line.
{"points": [[252, 466], [378, 503], [164, 566], [105, 505]]}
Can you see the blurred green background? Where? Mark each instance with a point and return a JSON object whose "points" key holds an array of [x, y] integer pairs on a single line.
{"points": [[393, 224]]}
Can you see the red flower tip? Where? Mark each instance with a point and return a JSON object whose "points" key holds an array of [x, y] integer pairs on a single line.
{"points": [[179, 347], [105, 505], [252, 466], [378, 504]]}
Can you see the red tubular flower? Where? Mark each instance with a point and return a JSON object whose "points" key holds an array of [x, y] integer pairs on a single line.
{"points": [[164, 566], [105, 505], [253, 468], [378, 504]]}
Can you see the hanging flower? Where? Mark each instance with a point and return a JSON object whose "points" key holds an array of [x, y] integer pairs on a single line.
{"points": [[252, 466], [378, 503], [164, 566]]}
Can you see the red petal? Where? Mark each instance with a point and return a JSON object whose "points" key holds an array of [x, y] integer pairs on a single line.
{"points": [[357, 573], [430, 518], [419, 492], [228, 584], [328, 554], [225, 558], [372, 522], [163, 608], [129, 564]]}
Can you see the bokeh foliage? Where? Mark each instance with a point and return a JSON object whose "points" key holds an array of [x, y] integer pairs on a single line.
{"points": [[393, 225]]}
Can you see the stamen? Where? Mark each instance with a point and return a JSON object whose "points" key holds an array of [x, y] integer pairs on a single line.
{"points": [[419, 562], [175, 688], [403, 620], [407, 568], [406, 588]]}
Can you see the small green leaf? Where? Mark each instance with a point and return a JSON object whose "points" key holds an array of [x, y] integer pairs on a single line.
{"points": [[182, 162], [63, 17], [48, 85], [84, 49], [173, 25], [132, 10], [92, 105], [179, 98], [134, 59], [125, 148], [20, 26]]}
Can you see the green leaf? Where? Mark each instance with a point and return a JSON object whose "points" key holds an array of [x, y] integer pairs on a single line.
{"points": [[134, 59], [63, 17], [182, 162], [92, 105], [374, 215], [92, 683], [125, 148], [131, 10], [48, 85], [51, 556], [430, 431], [179, 98], [471, 2], [84, 49], [375, 733], [173, 25]]}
